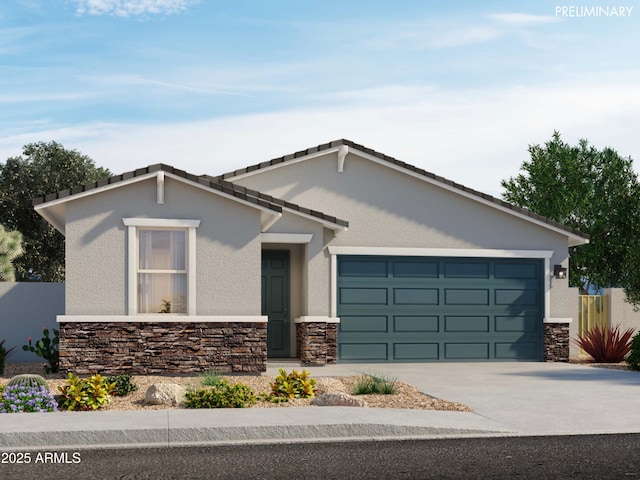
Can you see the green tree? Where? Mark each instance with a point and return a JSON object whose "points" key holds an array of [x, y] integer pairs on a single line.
{"points": [[10, 249], [595, 191], [43, 168]]}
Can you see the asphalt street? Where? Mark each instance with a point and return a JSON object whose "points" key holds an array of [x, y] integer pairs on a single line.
{"points": [[599, 457]]}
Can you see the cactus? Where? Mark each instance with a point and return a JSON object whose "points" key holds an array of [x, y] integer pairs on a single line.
{"points": [[28, 379]]}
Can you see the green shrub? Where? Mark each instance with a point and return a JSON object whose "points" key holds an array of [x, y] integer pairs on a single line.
{"points": [[271, 398], [294, 385], [633, 359], [2, 387], [221, 395], [606, 345], [46, 348], [123, 384], [28, 379], [210, 378], [4, 353], [374, 384], [86, 393]]}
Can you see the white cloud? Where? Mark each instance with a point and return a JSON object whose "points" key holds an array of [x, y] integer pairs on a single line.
{"points": [[126, 8], [474, 137]]}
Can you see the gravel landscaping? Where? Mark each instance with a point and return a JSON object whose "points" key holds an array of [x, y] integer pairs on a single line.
{"points": [[406, 396]]}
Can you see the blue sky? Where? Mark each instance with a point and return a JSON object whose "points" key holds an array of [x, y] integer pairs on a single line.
{"points": [[458, 88]]}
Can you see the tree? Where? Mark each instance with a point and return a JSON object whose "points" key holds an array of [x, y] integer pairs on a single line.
{"points": [[44, 168], [10, 248], [595, 191]]}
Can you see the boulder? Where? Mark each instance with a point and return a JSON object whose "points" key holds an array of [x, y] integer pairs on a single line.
{"points": [[164, 394], [329, 384], [338, 399]]}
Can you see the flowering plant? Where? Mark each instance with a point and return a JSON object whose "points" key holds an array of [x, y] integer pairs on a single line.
{"points": [[25, 398]]}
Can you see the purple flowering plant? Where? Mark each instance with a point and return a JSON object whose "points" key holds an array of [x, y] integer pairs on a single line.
{"points": [[26, 398]]}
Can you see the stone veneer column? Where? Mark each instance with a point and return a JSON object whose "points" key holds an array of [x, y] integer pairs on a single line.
{"points": [[556, 342], [317, 342]]}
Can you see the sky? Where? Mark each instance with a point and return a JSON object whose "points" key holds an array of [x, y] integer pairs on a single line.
{"points": [[458, 88]]}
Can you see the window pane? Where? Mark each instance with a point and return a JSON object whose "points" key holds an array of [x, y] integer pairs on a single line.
{"points": [[161, 291], [162, 249]]}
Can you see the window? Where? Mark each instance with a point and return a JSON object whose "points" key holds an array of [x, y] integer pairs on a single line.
{"points": [[161, 266], [162, 271]]}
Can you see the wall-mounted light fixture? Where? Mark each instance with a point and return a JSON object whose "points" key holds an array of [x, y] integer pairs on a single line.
{"points": [[559, 271]]}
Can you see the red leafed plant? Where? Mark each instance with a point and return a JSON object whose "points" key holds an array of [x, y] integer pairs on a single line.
{"points": [[606, 345]]}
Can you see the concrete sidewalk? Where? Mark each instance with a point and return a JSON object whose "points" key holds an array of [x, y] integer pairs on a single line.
{"points": [[507, 398]]}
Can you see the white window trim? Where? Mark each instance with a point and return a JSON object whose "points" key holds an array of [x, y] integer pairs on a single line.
{"points": [[132, 225], [334, 251]]}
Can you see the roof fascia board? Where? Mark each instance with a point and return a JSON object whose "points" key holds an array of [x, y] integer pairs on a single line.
{"points": [[140, 178], [325, 223], [221, 194], [52, 221], [104, 188], [286, 163]]}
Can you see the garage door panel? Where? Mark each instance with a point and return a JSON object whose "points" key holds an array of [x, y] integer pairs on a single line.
{"points": [[521, 350], [415, 296], [415, 323], [466, 296], [416, 351], [363, 296], [516, 270], [363, 323], [516, 297], [466, 351], [364, 351], [422, 269], [363, 268], [470, 269], [524, 323], [466, 324]]}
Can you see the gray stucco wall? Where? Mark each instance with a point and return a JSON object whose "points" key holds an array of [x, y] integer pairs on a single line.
{"points": [[25, 308], [227, 248], [387, 208], [620, 311]]}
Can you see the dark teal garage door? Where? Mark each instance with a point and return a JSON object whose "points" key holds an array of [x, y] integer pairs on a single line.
{"points": [[395, 309]]}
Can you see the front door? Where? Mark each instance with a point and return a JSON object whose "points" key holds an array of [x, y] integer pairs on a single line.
{"points": [[275, 301]]}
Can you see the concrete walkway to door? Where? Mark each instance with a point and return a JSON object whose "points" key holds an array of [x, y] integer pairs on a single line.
{"points": [[523, 397]]}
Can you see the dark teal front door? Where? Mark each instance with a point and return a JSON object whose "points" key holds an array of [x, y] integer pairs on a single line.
{"points": [[275, 301], [413, 309]]}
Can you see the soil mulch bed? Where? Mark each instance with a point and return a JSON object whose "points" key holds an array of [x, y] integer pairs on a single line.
{"points": [[406, 396]]}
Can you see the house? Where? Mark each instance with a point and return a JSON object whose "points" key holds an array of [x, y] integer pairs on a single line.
{"points": [[335, 253]]}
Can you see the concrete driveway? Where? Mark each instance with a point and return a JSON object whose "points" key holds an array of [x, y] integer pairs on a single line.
{"points": [[526, 398]]}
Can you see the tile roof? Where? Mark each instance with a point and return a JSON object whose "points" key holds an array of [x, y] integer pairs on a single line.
{"points": [[214, 183], [223, 184], [406, 166]]}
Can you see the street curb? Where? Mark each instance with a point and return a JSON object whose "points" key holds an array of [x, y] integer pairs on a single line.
{"points": [[120, 438]]}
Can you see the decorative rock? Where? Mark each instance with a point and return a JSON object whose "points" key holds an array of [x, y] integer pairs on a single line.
{"points": [[164, 394], [338, 400], [329, 385]]}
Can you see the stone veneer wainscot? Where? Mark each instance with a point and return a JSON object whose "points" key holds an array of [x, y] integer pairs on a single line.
{"points": [[158, 347]]}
